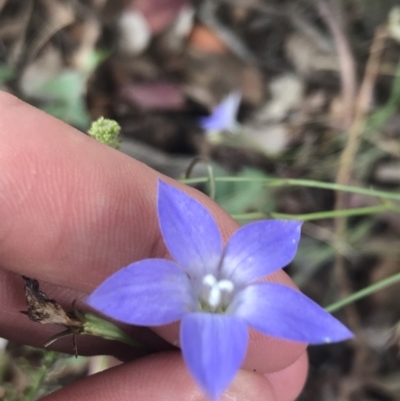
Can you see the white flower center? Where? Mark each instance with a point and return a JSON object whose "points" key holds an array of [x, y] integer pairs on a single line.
{"points": [[216, 295]]}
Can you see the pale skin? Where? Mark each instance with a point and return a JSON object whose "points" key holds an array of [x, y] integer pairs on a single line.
{"points": [[73, 211]]}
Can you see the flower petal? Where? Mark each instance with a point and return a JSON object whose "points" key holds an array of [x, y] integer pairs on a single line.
{"points": [[189, 231], [213, 347], [223, 116], [151, 292], [280, 311], [260, 248]]}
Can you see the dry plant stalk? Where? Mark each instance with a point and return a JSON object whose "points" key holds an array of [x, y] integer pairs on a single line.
{"points": [[343, 177], [331, 17], [346, 159]]}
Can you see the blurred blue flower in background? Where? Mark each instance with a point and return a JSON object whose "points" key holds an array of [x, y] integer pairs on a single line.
{"points": [[224, 115], [215, 290]]}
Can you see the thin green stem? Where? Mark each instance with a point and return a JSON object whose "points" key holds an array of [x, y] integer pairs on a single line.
{"points": [[210, 170], [97, 326], [40, 375], [4, 360], [364, 292], [283, 182], [318, 215]]}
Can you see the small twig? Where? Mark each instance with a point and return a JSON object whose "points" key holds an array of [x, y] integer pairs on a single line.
{"points": [[342, 178], [62, 15], [207, 12], [346, 59], [349, 152], [362, 106]]}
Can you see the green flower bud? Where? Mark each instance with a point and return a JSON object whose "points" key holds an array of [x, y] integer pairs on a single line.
{"points": [[105, 131]]}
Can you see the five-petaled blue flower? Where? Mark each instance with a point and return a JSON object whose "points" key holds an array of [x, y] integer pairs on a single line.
{"points": [[215, 291], [224, 115]]}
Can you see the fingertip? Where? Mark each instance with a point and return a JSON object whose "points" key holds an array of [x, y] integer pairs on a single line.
{"points": [[162, 376], [7, 99], [81, 203], [269, 354], [264, 354], [289, 382]]}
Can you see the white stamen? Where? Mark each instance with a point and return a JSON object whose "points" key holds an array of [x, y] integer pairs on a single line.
{"points": [[209, 280], [215, 293], [226, 285], [214, 298]]}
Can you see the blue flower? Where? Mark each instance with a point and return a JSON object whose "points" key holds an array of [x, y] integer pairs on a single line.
{"points": [[215, 290], [223, 117]]}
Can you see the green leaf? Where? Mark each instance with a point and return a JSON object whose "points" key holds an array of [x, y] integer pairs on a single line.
{"points": [[6, 73], [241, 196]]}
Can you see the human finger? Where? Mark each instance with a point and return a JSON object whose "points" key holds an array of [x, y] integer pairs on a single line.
{"points": [[74, 211], [163, 377]]}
